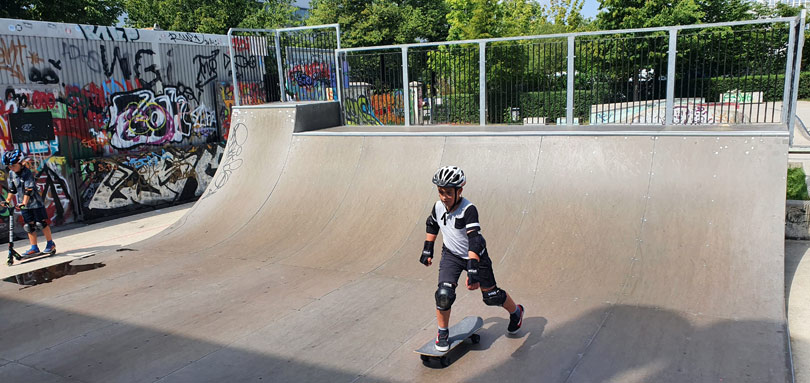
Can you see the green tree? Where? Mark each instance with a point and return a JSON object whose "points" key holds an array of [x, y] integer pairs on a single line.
{"points": [[97, 12], [382, 22], [207, 16]]}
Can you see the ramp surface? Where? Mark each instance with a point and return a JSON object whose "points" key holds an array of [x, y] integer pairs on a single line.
{"points": [[638, 258]]}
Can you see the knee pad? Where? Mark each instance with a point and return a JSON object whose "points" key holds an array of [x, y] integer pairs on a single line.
{"points": [[445, 296], [29, 228], [494, 297], [42, 224]]}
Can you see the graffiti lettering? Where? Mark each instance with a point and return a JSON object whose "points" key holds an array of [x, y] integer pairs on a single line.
{"points": [[27, 99], [360, 112], [232, 160], [90, 58], [11, 59], [241, 44], [126, 182], [122, 60], [86, 103], [226, 95], [193, 38], [44, 76], [389, 107], [95, 32], [206, 68], [152, 68]]}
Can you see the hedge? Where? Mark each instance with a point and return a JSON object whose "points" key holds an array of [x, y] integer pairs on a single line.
{"points": [[796, 185]]}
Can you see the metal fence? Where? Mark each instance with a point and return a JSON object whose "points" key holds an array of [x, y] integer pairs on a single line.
{"points": [[287, 64], [741, 73]]}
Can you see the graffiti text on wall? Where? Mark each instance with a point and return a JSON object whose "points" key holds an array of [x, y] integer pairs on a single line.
{"points": [[125, 182]]}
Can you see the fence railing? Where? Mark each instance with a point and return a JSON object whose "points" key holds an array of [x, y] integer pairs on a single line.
{"points": [[287, 64], [738, 73]]}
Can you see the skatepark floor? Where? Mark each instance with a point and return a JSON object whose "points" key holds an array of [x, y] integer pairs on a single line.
{"points": [[108, 236], [79, 241]]}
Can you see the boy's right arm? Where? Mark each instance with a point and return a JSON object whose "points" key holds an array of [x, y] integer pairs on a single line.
{"points": [[432, 229]]}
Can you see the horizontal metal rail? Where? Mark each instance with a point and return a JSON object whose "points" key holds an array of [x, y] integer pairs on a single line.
{"points": [[578, 34]]}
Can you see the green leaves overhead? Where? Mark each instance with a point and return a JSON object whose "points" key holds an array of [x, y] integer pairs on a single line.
{"points": [[100, 12], [208, 16], [383, 22]]}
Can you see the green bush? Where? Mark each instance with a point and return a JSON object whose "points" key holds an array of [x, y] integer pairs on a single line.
{"points": [[796, 185], [772, 87]]}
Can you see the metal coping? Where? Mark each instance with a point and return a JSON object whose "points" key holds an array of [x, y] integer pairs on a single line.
{"points": [[576, 34], [618, 132]]}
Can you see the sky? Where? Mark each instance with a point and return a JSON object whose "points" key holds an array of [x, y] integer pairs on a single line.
{"points": [[590, 9]]}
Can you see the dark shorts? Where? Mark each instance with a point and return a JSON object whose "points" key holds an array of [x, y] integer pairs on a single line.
{"points": [[451, 266], [37, 214]]}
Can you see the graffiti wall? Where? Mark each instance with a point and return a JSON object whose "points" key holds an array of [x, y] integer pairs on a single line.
{"points": [[116, 97], [119, 184], [310, 74], [685, 112]]}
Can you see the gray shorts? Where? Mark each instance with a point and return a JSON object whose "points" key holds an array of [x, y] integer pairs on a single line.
{"points": [[451, 266]]}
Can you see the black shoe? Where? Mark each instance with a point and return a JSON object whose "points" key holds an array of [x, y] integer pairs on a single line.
{"points": [[515, 321], [442, 343]]}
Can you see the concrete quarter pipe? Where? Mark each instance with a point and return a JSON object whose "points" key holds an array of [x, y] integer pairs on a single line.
{"points": [[638, 257]]}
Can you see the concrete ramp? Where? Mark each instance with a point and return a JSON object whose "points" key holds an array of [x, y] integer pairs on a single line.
{"points": [[640, 257]]}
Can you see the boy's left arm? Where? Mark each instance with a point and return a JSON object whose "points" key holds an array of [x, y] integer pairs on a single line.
{"points": [[477, 244]]}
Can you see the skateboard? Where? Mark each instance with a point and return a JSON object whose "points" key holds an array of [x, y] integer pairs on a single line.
{"points": [[459, 332]]}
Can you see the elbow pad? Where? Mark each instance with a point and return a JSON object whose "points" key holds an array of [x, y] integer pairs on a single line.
{"points": [[29, 192], [477, 242], [432, 227]]}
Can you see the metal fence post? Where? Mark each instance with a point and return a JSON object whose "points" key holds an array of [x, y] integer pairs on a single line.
{"points": [[569, 93], [796, 71], [281, 79], [788, 71], [338, 68], [671, 56], [482, 83], [406, 99], [236, 100]]}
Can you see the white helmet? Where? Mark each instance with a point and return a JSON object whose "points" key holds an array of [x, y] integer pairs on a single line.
{"points": [[450, 176]]}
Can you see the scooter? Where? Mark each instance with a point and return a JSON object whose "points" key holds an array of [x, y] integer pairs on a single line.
{"points": [[12, 254]]}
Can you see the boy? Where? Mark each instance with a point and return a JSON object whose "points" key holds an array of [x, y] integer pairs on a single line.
{"points": [[463, 248], [22, 183]]}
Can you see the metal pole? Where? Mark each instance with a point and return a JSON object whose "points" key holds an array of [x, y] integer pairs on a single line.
{"points": [[788, 70], [236, 100], [281, 80], [338, 68], [406, 94], [671, 56], [569, 93], [482, 83], [796, 71]]}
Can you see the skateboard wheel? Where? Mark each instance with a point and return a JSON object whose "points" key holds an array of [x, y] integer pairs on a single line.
{"points": [[475, 338], [444, 361]]}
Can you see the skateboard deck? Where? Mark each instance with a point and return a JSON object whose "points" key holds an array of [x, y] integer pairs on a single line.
{"points": [[459, 332]]}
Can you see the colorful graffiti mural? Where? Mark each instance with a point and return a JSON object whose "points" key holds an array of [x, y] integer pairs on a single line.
{"points": [[118, 184]]}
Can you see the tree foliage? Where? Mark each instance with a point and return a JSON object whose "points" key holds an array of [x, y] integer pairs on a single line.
{"points": [[98, 12], [205, 16], [382, 22]]}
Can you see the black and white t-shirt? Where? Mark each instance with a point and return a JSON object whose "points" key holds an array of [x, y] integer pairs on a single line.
{"points": [[454, 225]]}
